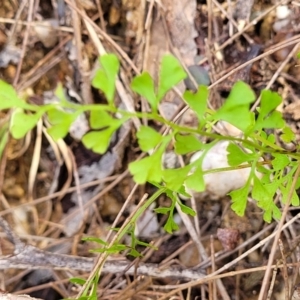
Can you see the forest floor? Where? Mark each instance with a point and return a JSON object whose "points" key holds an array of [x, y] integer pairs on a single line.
{"points": [[53, 194]]}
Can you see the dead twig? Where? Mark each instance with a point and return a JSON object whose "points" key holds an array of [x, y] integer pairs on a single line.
{"points": [[30, 257]]}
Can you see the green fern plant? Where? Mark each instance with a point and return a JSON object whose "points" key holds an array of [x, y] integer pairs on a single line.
{"points": [[257, 127]]}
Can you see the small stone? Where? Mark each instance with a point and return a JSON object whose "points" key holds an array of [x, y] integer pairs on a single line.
{"points": [[200, 75], [229, 237]]}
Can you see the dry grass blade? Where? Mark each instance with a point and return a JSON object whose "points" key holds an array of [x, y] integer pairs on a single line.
{"points": [[284, 270], [34, 168], [25, 40]]}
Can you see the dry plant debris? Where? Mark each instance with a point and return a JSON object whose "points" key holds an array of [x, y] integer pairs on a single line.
{"points": [[54, 194]]}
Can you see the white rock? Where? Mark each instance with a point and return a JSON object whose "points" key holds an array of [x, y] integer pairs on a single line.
{"points": [[220, 184], [282, 12]]}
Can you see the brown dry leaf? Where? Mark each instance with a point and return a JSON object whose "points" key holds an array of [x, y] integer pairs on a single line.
{"points": [[180, 17], [293, 109], [180, 31]]}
